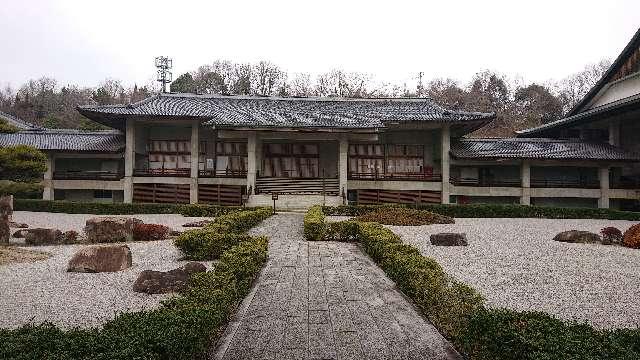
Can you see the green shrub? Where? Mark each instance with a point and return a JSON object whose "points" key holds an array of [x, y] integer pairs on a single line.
{"points": [[494, 211], [6, 128], [224, 232], [22, 163], [314, 224], [203, 244], [71, 207], [509, 334], [404, 217], [21, 190], [181, 328]]}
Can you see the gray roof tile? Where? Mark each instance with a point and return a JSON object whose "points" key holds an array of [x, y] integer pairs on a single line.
{"points": [[66, 140], [258, 112], [536, 148], [19, 123]]}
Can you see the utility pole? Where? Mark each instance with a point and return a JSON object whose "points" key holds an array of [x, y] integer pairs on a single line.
{"points": [[164, 64], [420, 88]]}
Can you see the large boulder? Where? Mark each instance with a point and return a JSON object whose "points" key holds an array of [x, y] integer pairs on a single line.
{"points": [[576, 236], [42, 236], [100, 258], [104, 229], [162, 282], [449, 239]]}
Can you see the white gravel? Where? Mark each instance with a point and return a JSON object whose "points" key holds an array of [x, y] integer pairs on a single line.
{"points": [[66, 222], [44, 291], [516, 264]]}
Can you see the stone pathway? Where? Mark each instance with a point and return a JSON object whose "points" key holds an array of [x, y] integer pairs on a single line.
{"points": [[325, 300]]}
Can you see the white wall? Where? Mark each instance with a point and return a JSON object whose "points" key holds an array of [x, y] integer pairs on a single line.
{"points": [[617, 90]]}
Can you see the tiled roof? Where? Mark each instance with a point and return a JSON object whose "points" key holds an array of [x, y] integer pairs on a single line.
{"points": [[272, 112], [19, 123], [66, 140], [535, 148]]}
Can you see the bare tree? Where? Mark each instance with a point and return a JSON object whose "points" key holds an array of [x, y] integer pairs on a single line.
{"points": [[575, 86], [266, 78], [301, 85]]}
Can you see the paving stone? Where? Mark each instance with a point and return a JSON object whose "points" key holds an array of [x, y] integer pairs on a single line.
{"points": [[348, 346], [318, 317], [321, 342]]}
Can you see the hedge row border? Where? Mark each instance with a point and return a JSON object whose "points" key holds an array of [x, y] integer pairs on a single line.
{"points": [[72, 207], [494, 211], [458, 311]]}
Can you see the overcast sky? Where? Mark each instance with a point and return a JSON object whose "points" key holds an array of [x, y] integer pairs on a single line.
{"points": [[83, 42]]}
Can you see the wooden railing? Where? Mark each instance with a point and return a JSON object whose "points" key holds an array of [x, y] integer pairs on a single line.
{"points": [[162, 172], [626, 183], [87, 175], [395, 176], [565, 183], [485, 182], [222, 173]]}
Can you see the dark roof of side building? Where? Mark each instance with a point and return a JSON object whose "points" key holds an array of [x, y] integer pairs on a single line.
{"points": [[579, 114], [616, 107], [66, 140], [277, 112], [18, 123], [537, 148], [610, 74]]}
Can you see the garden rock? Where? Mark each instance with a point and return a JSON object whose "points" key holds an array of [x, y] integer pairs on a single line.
{"points": [[449, 239], [42, 236], [200, 223], [18, 234], [162, 282], [193, 267], [576, 236], [100, 258], [105, 229], [18, 225]]}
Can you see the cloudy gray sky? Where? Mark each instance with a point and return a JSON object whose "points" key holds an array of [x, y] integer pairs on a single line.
{"points": [[83, 42]]}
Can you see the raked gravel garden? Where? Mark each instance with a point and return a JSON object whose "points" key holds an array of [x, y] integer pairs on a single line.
{"points": [[43, 290], [516, 264]]}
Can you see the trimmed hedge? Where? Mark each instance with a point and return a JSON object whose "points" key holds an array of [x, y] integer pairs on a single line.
{"points": [[404, 217], [314, 224], [21, 190], [224, 232], [459, 312], [494, 211], [182, 328], [71, 207]]}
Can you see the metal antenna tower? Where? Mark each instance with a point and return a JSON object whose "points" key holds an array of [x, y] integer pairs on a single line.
{"points": [[164, 64]]}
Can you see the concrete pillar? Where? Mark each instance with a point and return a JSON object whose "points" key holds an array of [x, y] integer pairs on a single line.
{"points": [[343, 151], [525, 178], [195, 161], [48, 189], [129, 160], [603, 202], [446, 146], [251, 162], [614, 133]]}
